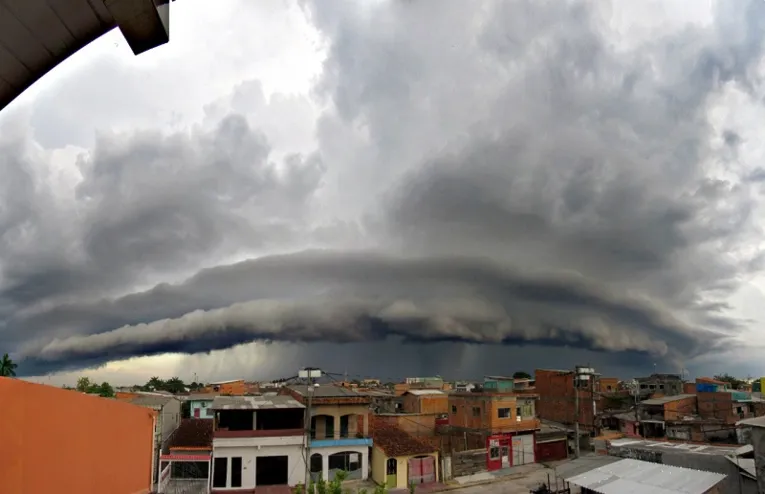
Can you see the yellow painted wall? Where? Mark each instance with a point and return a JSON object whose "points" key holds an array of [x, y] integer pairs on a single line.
{"points": [[378, 466], [379, 463]]}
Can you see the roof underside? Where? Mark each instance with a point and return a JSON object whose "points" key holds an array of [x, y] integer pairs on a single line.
{"points": [[37, 35]]}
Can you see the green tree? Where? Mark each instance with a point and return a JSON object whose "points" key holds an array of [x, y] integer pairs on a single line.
{"points": [[105, 390], [521, 375], [174, 385], [84, 385], [155, 384], [7, 366]]}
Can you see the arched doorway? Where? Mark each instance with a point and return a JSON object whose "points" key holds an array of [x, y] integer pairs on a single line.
{"points": [[322, 427], [348, 461], [391, 473], [316, 466]]}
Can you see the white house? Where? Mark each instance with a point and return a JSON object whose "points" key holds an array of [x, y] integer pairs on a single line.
{"points": [[168, 419], [257, 441]]}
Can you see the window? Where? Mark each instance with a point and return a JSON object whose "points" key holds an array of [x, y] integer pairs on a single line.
{"points": [[494, 453], [518, 414], [204, 404], [503, 413], [391, 466], [220, 472], [476, 412], [209, 412], [608, 388], [236, 472], [454, 408]]}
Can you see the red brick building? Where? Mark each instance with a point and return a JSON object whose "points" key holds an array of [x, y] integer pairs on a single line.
{"points": [[557, 398]]}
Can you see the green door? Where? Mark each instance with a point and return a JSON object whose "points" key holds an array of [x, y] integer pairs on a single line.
{"points": [[391, 471]]}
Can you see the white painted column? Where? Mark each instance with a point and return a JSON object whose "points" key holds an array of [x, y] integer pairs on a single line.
{"points": [[364, 463], [324, 467]]}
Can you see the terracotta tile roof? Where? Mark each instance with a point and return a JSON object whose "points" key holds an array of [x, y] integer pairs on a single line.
{"points": [[193, 433], [396, 442]]}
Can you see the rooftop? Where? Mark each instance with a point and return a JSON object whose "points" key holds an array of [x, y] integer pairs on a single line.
{"points": [[395, 442], [326, 391], [583, 464], [192, 434], [227, 382], [703, 449], [151, 401], [630, 475], [254, 402], [753, 422], [199, 396], [710, 380], [499, 378], [423, 392], [665, 399]]}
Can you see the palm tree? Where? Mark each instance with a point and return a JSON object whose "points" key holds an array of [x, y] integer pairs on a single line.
{"points": [[7, 367]]}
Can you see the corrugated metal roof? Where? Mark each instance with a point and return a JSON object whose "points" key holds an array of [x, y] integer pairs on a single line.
{"points": [[423, 392], [630, 476], [583, 464], [254, 402], [665, 399], [151, 401], [753, 422], [326, 391]]}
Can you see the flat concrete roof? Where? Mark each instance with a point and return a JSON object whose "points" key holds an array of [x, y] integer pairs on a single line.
{"points": [[37, 35], [665, 399], [254, 402], [701, 449]]}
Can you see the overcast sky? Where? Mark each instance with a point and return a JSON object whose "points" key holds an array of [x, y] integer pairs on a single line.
{"points": [[392, 188]]}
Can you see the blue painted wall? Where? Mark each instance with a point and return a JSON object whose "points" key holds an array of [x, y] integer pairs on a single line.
{"points": [[203, 406]]}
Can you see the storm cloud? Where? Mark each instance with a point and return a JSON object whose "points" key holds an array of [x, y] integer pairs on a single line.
{"points": [[336, 297], [518, 173]]}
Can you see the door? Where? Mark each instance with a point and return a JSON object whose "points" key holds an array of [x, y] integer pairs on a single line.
{"points": [[523, 449], [505, 454], [428, 470], [196, 413], [391, 472], [415, 471]]}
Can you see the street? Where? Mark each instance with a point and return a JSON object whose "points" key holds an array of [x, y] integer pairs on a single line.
{"points": [[521, 483]]}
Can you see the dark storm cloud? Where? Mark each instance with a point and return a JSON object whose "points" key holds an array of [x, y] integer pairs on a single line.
{"points": [[149, 203], [343, 298], [540, 184]]}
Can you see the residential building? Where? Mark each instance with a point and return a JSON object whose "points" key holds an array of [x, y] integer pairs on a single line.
{"points": [[464, 386], [384, 401], [609, 385], [56, 440], [661, 384], [558, 398], [200, 405], [426, 401], [506, 420], [756, 440], [725, 460], [632, 475], [551, 441], [234, 387], [400, 459], [709, 385], [257, 441], [168, 410], [339, 432], [654, 413], [186, 467]]}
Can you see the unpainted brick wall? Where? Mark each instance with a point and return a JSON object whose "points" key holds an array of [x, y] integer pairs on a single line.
{"points": [[468, 462]]}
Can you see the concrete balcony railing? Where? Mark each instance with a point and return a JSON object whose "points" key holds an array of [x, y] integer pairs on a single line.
{"points": [[225, 433]]}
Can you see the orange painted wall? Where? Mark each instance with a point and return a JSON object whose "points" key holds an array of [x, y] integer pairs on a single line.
{"points": [[62, 441], [461, 412], [236, 388], [436, 404]]}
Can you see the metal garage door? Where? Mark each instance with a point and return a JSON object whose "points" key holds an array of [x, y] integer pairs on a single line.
{"points": [[523, 449], [422, 470]]}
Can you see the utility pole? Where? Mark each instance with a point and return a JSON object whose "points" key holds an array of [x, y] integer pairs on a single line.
{"points": [[308, 373], [576, 413]]}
